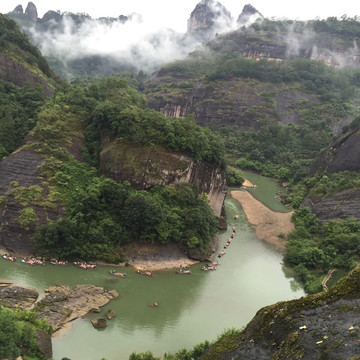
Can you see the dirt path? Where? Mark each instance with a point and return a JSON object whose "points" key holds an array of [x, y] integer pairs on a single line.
{"points": [[268, 224]]}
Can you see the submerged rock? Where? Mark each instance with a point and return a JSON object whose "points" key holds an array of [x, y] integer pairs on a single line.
{"points": [[110, 314], [99, 323]]}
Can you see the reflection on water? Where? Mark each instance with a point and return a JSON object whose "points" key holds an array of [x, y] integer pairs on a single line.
{"points": [[192, 308]]}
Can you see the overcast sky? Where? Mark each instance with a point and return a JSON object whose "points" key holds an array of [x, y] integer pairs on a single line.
{"points": [[174, 13]]}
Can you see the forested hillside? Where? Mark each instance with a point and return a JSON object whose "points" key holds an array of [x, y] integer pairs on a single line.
{"points": [[265, 98], [280, 93]]}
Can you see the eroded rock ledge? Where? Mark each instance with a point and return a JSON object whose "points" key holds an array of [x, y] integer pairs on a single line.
{"points": [[60, 304]]}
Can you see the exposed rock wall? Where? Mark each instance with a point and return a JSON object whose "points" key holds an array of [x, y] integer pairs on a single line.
{"points": [[341, 205], [146, 167], [232, 103], [342, 155], [20, 169], [207, 18], [31, 11], [320, 326], [14, 72]]}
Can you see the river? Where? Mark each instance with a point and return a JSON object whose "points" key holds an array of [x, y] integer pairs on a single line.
{"points": [[192, 308]]}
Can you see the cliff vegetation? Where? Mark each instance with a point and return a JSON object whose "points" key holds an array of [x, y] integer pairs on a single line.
{"points": [[100, 214]]}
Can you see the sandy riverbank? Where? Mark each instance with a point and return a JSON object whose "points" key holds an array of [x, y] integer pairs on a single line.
{"points": [[157, 257], [267, 223]]}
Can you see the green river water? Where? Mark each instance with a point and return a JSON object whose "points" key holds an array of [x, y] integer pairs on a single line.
{"points": [[192, 308]]}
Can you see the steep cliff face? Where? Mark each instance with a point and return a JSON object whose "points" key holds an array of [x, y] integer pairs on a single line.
{"points": [[31, 11], [342, 155], [248, 16], [18, 74], [20, 171], [208, 18], [146, 167], [341, 205], [236, 102]]}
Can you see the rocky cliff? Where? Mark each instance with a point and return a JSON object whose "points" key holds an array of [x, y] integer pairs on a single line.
{"points": [[146, 167], [321, 326], [341, 155], [239, 103], [13, 71], [20, 61], [31, 11], [208, 18], [20, 175], [341, 205], [248, 16]]}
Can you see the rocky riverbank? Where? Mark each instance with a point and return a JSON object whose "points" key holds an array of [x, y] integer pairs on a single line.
{"points": [[60, 304]]}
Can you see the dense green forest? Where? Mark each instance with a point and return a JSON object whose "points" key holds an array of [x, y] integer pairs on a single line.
{"points": [[101, 215], [19, 108], [18, 334]]}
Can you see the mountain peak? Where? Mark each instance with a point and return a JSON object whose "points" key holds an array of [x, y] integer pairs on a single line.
{"points": [[208, 18], [18, 10], [248, 16], [31, 11]]}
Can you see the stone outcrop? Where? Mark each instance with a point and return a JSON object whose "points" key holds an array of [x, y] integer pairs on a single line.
{"points": [[318, 326], [110, 314], [235, 103], [13, 296], [208, 18], [341, 205], [16, 73], [51, 17], [99, 323], [342, 155], [18, 10], [20, 169], [61, 305], [146, 167], [248, 16], [31, 11], [207, 254]]}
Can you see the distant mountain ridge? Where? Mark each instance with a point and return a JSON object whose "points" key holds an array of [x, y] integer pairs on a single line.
{"points": [[56, 32]]}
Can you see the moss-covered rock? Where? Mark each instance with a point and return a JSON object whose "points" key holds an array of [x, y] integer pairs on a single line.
{"points": [[320, 326]]}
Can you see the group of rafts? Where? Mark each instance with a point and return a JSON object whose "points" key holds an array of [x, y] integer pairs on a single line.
{"points": [[29, 261], [212, 266], [83, 265]]}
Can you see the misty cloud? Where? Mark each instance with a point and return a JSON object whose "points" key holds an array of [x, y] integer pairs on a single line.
{"points": [[132, 42]]}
